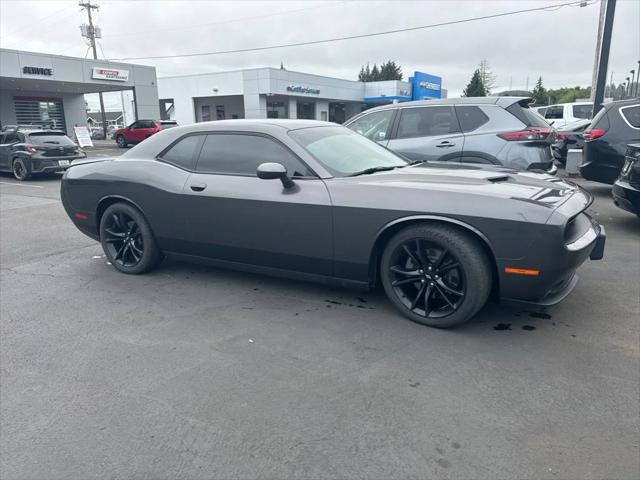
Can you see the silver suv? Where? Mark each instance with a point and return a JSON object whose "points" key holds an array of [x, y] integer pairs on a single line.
{"points": [[483, 130]]}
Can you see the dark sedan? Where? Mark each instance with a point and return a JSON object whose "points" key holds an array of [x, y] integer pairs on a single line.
{"points": [[626, 190], [338, 209]]}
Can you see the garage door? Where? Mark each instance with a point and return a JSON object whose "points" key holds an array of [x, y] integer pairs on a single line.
{"points": [[45, 111]]}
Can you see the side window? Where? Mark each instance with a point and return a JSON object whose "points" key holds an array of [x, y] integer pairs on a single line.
{"points": [[184, 152], [240, 154], [11, 138], [554, 112], [427, 122], [375, 125], [470, 117], [631, 115], [134, 125], [147, 124], [582, 111]]}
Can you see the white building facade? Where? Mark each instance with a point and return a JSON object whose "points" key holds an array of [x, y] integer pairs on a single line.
{"points": [[273, 93]]}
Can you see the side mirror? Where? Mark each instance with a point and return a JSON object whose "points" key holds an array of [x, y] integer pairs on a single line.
{"points": [[272, 170]]}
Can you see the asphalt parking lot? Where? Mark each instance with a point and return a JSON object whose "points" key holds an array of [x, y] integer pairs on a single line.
{"points": [[197, 372]]}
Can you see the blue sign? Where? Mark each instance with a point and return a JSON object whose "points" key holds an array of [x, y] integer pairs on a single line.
{"points": [[425, 86]]}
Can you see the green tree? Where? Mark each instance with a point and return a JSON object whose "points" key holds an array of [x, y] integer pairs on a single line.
{"points": [[388, 70], [475, 88], [487, 77], [539, 93]]}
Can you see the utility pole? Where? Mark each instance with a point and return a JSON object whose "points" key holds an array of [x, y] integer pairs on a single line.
{"points": [[603, 45], [91, 33]]}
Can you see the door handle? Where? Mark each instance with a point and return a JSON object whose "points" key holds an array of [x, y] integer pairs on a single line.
{"points": [[198, 187], [445, 144]]}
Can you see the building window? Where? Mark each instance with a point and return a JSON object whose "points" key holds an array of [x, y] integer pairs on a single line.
{"points": [[306, 110], [47, 112], [205, 113], [220, 112], [277, 110]]}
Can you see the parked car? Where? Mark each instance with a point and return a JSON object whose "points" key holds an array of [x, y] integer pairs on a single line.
{"points": [[136, 132], [615, 126], [315, 201], [569, 137], [484, 130], [626, 189], [564, 113], [164, 124], [539, 110], [28, 150]]}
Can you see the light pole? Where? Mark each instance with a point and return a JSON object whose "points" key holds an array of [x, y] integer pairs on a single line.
{"points": [[603, 45], [632, 72], [626, 90]]}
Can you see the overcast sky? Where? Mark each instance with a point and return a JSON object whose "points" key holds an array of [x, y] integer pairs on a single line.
{"points": [[557, 43]]}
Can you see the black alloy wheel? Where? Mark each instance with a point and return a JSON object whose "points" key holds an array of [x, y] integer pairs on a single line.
{"points": [[428, 278], [20, 170], [122, 143], [127, 239], [436, 275]]}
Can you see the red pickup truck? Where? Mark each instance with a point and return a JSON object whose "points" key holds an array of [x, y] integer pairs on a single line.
{"points": [[139, 130]]}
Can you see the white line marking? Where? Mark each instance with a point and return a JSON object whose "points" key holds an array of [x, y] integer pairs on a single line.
{"points": [[21, 185]]}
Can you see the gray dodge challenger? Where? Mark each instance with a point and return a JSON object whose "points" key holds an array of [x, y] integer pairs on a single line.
{"points": [[315, 201]]}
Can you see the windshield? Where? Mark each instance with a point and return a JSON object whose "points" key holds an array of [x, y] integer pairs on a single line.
{"points": [[343, 152], [50, 138]]}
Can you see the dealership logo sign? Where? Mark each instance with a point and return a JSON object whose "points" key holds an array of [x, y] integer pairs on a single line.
{"points": [[301, 89], [430, 85], [100, 73], [48, 72]]}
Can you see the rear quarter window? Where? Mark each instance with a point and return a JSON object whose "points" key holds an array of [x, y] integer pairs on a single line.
{"points": [[582, 111], [631, 115], [527, 116], [470, 117], [601, 120]]}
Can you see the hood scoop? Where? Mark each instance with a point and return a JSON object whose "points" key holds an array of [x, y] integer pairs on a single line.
{"points": [[499, 178]]}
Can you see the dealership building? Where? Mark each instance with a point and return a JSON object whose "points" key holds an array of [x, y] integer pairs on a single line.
{"points": [[279, 93], [48, 90]]}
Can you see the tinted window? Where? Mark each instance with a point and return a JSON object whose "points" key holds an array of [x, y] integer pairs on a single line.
{"points": [[241, 154], [48, 138], [554, 112], [427, 122], [374, 126], [470, 117], [11, 138], [165, 125], [582, 111], [184, 152], [527, 116], [632, 115], [146, 124], [601, 120]]}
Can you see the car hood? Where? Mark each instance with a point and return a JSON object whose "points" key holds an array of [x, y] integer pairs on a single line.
{"points": [[537, 188]]}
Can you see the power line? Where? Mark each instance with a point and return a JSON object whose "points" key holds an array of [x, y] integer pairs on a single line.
{"points": [[34, 22], [351, 37], [224, 22]]}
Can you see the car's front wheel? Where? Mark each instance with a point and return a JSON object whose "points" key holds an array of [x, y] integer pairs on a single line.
{"points": [[127, 239], [120, 140], [436, 275], [21, 169]]}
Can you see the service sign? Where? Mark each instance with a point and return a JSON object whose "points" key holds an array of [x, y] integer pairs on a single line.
{"points": [[114, 74], [302, 89], [47, 72], [83, 136]]}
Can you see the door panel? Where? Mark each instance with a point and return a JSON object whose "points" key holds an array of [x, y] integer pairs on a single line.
{"points": [[428, 134], [248, 220]]}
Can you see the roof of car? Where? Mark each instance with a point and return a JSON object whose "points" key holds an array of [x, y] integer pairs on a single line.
{"points": [[615, 103], [259, 124]]}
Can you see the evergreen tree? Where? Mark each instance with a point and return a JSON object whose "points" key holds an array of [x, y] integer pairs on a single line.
{"points": [[475, 88], [375, 73], [487, 77], [388, 70], [540, 93]]}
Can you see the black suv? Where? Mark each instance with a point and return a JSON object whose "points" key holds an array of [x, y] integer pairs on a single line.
{"points": [[28, 150], [626, 190], [605, 141]]}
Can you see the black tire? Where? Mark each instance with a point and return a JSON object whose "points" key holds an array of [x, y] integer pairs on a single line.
{"points": [[122, 143], [21, 169], [438, 264], [127, 239]]}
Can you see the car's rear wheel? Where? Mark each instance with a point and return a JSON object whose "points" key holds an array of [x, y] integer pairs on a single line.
{"points": [[21, 169], [120, 140], [127, 239], [436, 275]]}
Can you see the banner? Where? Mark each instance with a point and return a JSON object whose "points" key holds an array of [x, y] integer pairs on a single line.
{"points": [[83, 137]]}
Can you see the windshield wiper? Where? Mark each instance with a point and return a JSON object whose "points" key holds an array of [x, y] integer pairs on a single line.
{"points": [[367, 171]]}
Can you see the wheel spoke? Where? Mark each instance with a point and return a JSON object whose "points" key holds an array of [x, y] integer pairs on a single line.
{"points": [[448, 267], [415, 260], [113, 240], [134, 254], [406, 273], [427, 295], [446, 299], [120, 252], [114, 234], [448, 289], [441, 258], [123, 222], [396, 283], [136, 249], [415, 301], [420, 254]]}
